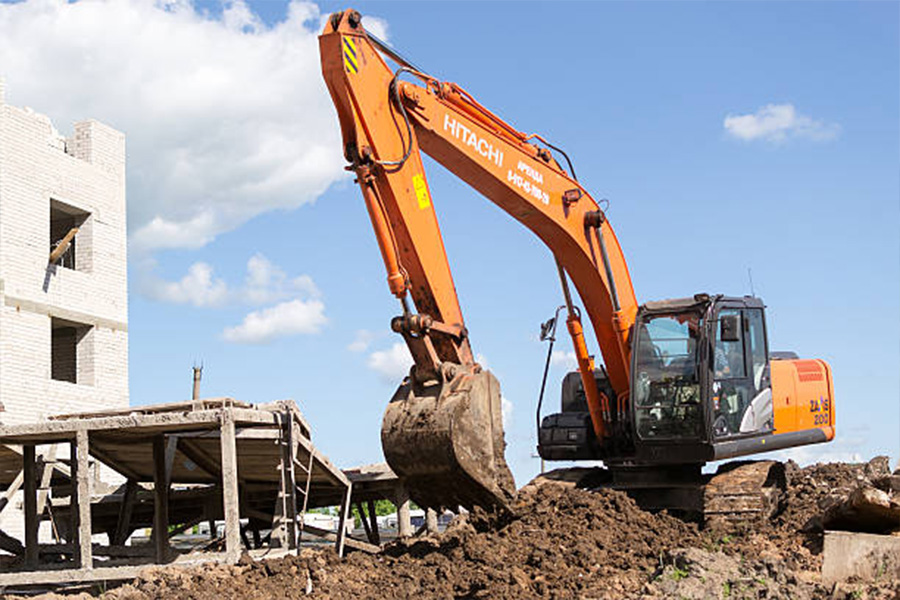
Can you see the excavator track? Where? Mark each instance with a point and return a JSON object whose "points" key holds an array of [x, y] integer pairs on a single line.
{"points": [[744, 493], [740, 494]]}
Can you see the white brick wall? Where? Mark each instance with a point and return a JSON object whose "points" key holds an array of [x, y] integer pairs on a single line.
{"points": [[87, 172]]}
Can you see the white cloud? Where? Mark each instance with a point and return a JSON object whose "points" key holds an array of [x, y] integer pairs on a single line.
{"points": [[778, 123], [294, 317], [566, 360], [362, 341], [392, 364], [264, 283], [506, 408], [197, 287], [267, 282], [225, 119]]}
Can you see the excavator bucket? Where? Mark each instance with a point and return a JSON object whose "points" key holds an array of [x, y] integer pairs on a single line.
{"points": [[445, 441]]}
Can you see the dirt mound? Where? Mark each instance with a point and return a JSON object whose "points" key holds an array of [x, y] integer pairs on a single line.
{"points": [[812, 489], [564, 543], [561, 543]]}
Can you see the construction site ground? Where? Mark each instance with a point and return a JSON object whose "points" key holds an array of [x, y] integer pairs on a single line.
{"points": [[561, 543]]}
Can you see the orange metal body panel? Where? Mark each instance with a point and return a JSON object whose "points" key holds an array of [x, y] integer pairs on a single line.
{"points": [[803, 396], [492, 157]]}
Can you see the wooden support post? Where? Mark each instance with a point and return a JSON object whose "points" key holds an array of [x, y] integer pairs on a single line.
{"points": [[404, 523], [244, 537], [160, 500], [431, 521], [230, 509], [73, 500], [373, 522], [364, 520], [31, 517], [342, 520], [123, 525], [82, 450]]}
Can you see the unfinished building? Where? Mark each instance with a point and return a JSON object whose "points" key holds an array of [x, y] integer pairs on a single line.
{"points": [[63, 280]]}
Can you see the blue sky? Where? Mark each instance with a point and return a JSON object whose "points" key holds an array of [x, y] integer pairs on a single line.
{"points": [[804, 193]]}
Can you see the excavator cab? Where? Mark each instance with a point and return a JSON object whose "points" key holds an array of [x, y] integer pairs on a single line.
{"points": [[702, 390]]}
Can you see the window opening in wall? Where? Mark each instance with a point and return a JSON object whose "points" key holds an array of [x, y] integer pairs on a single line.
{"points": [[69, 351], [66, 222]]}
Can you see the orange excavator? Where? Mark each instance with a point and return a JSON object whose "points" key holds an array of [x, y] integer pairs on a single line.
{"points": [[683, 382]]}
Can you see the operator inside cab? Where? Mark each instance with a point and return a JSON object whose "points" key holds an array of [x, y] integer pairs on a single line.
{"points": [[741, 392]]}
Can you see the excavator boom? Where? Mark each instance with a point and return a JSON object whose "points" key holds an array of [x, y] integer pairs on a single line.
{"points": [[442, 432]]}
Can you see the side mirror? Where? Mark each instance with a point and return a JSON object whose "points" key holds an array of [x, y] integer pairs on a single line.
{"points": [[547, 329], [730, 328]]}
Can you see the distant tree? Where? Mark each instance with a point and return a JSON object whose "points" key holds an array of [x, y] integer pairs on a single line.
{"points": [[382, 508]]}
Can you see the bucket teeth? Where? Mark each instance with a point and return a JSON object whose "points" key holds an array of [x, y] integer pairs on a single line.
{"points": [[445, 442]]}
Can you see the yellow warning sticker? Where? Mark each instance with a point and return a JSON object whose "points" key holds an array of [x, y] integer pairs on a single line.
{"points": [[421, 191], [351, 58]]}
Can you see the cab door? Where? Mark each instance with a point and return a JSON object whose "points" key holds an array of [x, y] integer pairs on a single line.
{"points": [[741, 392]]}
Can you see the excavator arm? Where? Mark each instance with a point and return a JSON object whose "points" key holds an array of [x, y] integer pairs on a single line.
{"points": [[442, 431]]}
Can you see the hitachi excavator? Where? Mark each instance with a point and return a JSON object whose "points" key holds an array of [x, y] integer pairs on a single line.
{"points": [[683, 382]]}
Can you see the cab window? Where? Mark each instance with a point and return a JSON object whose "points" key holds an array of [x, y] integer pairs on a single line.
{"points": [[729, 360], [757, 336]]}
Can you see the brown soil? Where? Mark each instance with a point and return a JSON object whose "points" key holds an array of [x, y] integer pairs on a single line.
{"points": [[562, 543]]}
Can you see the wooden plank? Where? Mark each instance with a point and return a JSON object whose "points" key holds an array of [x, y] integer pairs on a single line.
{"points": [[49, 577], [62, 246], [30, 501], [85, 558], [342, 521], [49, 431], [74, 527], [123, 525], [244, 433], [160, 500], [47, 462], [204, 404], [14, 487], [289, 479], [116, 551], [431, 521], [404, 523], [117, 465], [231, 509], [365, 521], [196, 455], [187, 525], [349, 542], [171, 449], [283, 532], [373, 521], [11, 544]]}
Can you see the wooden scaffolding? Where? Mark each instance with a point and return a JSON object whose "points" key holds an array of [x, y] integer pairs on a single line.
{"points": [[252, 467]]}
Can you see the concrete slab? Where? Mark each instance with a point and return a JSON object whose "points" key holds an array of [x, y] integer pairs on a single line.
{"points": [[867, 556]]}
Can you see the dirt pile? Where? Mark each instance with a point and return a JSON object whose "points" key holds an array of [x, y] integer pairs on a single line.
{"points": [[565, 543], [562, 543], [813, 490]]}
